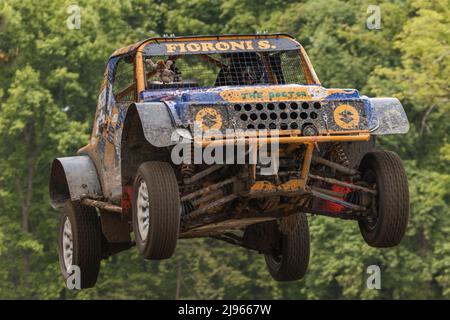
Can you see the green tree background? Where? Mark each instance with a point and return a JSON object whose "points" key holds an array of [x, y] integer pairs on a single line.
{"points": [[49, 77]]}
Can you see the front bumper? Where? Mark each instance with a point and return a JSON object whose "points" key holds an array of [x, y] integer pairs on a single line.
{"points": [[280, 139]]}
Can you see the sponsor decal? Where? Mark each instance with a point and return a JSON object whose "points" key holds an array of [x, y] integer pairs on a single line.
{"points": [[218, 46], [208, 119], [265, 94], [208, 46], [346, 116]]}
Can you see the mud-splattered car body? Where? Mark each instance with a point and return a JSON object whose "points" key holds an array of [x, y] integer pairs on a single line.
{"points": [[139, 120]]}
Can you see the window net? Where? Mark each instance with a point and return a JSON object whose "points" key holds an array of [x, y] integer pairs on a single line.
{"points": [[227, 69]]}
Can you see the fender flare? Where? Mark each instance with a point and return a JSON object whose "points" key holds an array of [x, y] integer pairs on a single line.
{"points": [[387, 116], [155, 120], [73, 178]]}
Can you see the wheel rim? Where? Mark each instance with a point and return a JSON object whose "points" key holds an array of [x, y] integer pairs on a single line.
{"points": [[277, 253], [67, 243], [276, 258], [143, 210]]}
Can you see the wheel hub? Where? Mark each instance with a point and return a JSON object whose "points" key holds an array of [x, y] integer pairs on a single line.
{"points": [[143, 210], [369, 200], [67, 244]]}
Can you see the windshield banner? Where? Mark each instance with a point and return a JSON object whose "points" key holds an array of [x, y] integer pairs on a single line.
{"points": [[174, 47]]}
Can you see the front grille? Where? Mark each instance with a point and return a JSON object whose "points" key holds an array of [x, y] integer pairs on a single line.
{"points": [[287, 115], [325, 116]]}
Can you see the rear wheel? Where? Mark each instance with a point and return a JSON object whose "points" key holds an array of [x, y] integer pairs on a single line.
{"points": [[156, 210], [386, 225], [289, 256], [80, 239]]}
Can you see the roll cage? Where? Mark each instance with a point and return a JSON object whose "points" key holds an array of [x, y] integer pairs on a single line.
{"points": [[203, 47]]}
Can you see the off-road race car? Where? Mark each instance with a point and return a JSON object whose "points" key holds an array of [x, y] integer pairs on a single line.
{"points": [[230, 137]]}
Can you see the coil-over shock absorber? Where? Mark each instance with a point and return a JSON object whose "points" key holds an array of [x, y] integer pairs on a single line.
{"points": [[340, 155], [187, 166], [187, 170]]}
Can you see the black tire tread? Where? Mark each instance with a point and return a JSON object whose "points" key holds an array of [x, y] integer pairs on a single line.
{"points": [[295, 252], [165, 210], [393, 200], [86, 229]]}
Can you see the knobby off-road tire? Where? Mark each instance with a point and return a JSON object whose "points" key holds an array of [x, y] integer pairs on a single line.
{"points": [[156, 194], [82, 225], [385, 168], [290, 258]]}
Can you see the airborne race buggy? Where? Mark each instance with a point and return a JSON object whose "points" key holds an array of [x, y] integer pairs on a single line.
{"points": [[260, 92]]}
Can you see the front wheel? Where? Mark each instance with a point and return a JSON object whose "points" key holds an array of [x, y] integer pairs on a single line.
{"points": [[289, 257], [386, 224], [156, 210]]}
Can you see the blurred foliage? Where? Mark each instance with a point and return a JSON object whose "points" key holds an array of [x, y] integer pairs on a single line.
{"points": [[48, 88]]}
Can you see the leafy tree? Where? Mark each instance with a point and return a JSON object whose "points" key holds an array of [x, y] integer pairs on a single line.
{"points": [[49, 83], [33, 130]]}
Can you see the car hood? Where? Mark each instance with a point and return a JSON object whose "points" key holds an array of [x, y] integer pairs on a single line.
{"points": [[243, 94]]}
